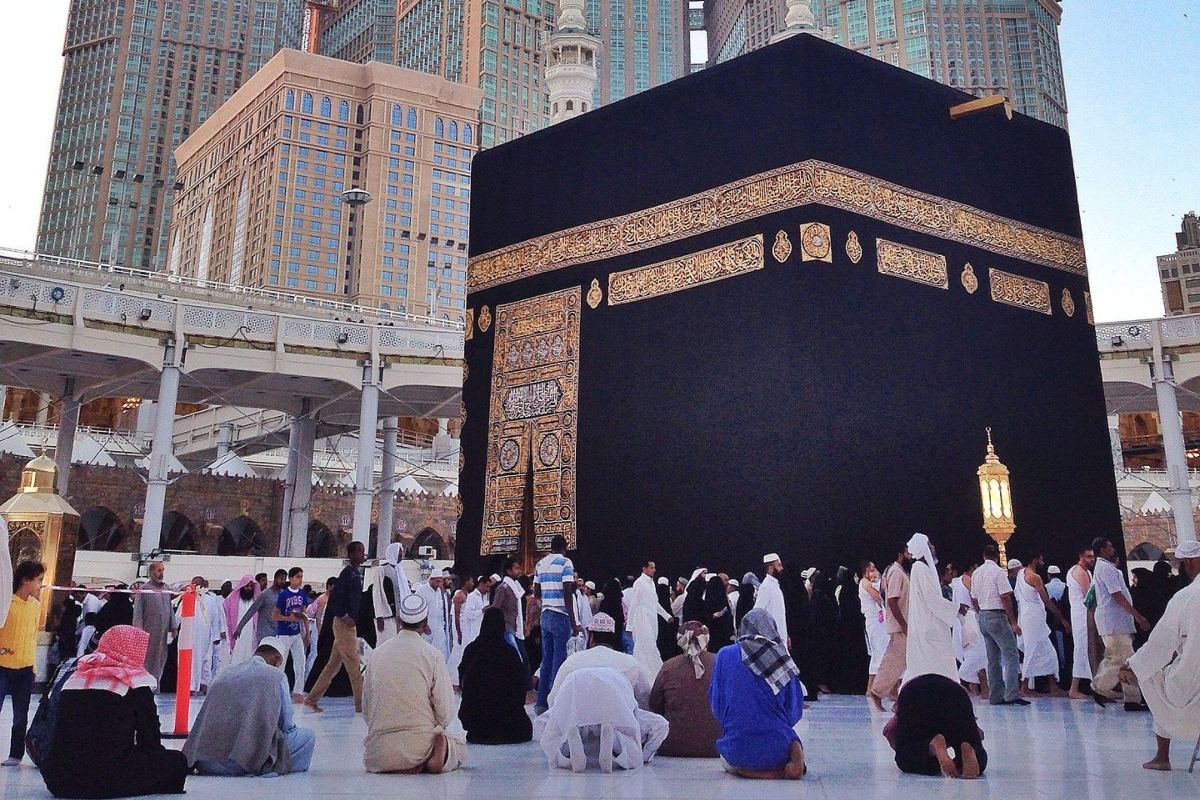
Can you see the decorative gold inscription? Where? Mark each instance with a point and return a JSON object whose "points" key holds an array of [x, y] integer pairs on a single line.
{"points": [[595, 295], [969, 281], [725, 261], [815, 244], [1068, 303], [469, 330], [782, 247], [532, 422], [485, 319], [778, 190], [1087, 303], [1019, 291], [854, 250], [902, 261]]}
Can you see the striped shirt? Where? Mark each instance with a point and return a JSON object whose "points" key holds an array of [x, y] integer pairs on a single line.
{"points": [[550, 574]]}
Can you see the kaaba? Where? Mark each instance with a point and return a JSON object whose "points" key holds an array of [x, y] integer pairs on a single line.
{"points": [[774, 306]]}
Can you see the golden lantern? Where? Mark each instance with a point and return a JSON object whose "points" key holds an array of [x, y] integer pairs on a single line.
{"points": [[995, 497]]}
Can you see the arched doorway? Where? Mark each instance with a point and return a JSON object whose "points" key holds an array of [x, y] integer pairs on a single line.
{"points": [[428, 537], [241, 536], [100, 529], [321, 541], [178, 533]]}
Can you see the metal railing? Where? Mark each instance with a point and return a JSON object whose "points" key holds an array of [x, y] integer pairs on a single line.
{"points": [[164, 281]]}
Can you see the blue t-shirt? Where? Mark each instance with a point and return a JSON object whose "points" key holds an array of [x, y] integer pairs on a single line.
{"points": [[289, 602]]}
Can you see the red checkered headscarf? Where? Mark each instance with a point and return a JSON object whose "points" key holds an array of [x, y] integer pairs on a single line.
{"points": [[118, 665]]}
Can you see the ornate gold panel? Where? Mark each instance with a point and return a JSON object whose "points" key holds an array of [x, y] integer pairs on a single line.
{"points": [[485, 319], [778, 190], [1068, 303], [595, 295], [782, 248], [816, 242], [969, 281], [906, 262], [1019, 291], [533, 422], [854, 250], [1087, 304], [714, 264], [469, 330]]}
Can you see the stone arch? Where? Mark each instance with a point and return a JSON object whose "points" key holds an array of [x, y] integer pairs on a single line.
{"points": [[1146, 551], [241, 536], [428, 537], [178, 533], [322, 542], [101, 529]]}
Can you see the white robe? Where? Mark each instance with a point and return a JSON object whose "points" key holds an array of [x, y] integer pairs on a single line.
{"points": [[770, 597], [218, 627], [1081, 665], [642, 622], [1168, 668], [596, 722], [930, 624], [208, 621], [1040, 656], [439, 630], [968, 640], [877, 635]]}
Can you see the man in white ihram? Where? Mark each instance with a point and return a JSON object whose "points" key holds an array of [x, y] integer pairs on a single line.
{"points": [[1167, 668], [644, 611]]}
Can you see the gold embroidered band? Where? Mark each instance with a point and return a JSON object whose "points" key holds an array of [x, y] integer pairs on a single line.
{"points": [[906, 262], [778, 190], [1019, 291], [714, 264]]}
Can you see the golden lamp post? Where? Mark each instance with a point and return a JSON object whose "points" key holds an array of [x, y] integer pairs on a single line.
{"points": [[996, 500]]}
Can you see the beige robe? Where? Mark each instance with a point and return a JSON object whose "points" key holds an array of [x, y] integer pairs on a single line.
{"points": [[407, 701], [1168, 667]]}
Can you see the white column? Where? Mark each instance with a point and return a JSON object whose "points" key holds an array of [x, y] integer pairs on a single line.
{"points": [[43, 408], [68, 421], [364, 489], [1179, 494], [289, 491], [160, 450], [224, 438], [387, 484], [299, 512], [1114, 441]]}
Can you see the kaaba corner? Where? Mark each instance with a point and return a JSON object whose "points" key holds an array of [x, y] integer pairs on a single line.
{"points": [[774, 306]]}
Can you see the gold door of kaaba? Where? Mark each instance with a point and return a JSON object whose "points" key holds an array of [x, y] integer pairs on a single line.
{"points": [[532, 425]]}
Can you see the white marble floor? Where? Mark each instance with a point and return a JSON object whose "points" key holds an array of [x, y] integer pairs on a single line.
{"points": [[1053, 749]]}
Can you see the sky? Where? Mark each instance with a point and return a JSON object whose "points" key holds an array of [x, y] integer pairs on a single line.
{"points": [[1132, 70]]}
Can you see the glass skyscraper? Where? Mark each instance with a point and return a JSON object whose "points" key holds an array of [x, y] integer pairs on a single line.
{"points": [[984, 47]]}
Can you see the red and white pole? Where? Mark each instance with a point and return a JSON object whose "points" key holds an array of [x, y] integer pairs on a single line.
{"points": [[183, 677]]}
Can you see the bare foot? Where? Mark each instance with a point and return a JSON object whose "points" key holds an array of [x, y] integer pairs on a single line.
{"points": [[937, 749], [311, 705], [795, 768], [1078, 696], [1159, 766], [876, 701], [970, 761]]}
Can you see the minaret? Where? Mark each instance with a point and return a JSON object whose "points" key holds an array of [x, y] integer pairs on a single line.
{"points": [[799, 19], [570, 63]]}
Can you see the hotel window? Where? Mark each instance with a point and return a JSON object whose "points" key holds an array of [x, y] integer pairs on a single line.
{"points": [[306, 105]]}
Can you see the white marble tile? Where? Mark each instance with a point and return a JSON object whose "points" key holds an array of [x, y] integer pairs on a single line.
{"points": [[1053, 749]]}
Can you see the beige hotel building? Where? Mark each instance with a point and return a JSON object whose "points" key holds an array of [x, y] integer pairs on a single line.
{"points": [[263, 178]]}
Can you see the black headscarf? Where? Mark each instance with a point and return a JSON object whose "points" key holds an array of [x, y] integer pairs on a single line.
{"points": [[494, 682], [717, 614], [665, 641], [611, 604], [693, 601]]}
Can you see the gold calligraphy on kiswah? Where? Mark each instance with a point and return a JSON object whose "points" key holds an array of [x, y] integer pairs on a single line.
{"points": [[780, 189], [677, 274], [1019, 291]]}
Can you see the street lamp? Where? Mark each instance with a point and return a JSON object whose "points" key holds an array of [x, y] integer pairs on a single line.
{"points": [[995, 498], [356, 198]]}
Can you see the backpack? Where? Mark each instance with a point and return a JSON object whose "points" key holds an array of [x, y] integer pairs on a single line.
{"points": [[41, 730]]}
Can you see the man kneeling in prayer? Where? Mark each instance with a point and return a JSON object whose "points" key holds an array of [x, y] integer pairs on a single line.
{"points": [[408, 701], [245, 726], [934, 729], [1167, 667], [604, 650], [594, 721]]}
